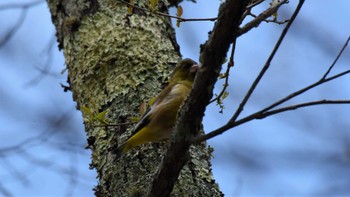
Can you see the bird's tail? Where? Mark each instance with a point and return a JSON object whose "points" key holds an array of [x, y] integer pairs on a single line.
{"points": [[139, 138]]}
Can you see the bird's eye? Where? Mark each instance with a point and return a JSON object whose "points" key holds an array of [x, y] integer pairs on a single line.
{"points": [[188, 65]]}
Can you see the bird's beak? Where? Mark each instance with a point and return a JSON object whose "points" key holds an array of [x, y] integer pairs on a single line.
{"points": [[194, 68]]}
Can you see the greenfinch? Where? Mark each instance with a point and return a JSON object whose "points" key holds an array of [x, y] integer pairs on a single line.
{"points": [[158, 122]]}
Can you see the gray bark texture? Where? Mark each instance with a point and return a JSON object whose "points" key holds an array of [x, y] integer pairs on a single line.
{"points": [[116, 61]]}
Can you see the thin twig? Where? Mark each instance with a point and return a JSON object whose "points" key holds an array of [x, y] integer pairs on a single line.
{"points": [[294, 94], [115, 125], [261, 115], [321, 81], [11, 32], [45, 68], [232, 122], [277, 22], [274, 20], [255, 3], [167, 15], [20, 5], [301, 105], [267, 64], [336, 59], [249, 9], [261, 17], [15, 28], [227, 73], [265, 112]]}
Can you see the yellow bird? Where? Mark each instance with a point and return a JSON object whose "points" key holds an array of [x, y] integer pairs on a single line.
{"points": [[158, 123]]}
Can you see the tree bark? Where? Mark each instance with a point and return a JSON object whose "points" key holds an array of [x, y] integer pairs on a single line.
{"points": [[115, 62]]}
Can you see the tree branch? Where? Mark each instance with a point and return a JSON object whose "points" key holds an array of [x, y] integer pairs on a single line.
{"points": [[267, 64], [301, 105], [230, 64], [294, 94], [24, 7], [266, 111], [261, 17], [20, 5], [11, 32], [336, 59], [213, 53], [168, 15]]}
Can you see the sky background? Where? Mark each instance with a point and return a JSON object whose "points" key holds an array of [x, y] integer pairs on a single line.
{"points": [[305, 152]]}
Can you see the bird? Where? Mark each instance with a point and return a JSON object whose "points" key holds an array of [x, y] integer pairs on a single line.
{"points": [[158, 122]]}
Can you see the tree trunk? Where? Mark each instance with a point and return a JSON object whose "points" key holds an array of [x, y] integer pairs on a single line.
{"points": [[115, 62]]}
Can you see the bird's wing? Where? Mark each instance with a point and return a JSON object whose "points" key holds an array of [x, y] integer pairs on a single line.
{"points": [[146, 118], [170, 94]]}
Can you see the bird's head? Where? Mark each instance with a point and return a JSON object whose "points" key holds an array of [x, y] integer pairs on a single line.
{"points": [[186, 69]]}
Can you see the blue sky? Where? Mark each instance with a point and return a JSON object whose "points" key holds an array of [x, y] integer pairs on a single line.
{"points": [[297, 153]]}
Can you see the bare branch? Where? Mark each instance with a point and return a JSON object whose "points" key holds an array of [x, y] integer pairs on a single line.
{"points": [[4, 191], [267, 64], [317, 83], [294, 94], [336, 59], [45, 68], [265, 112], [213, 53], [262, 115], [14, 171], [11, 32], [227, 74], [277, 22], [301, 105], [24, 7], [232, 122], [249, 8], [20, 5], [168, 15], [261, 17], [115, 125], [253, 4], [41, 138]]}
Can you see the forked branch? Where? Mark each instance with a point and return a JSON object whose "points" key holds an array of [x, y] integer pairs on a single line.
{"points": [[270, 110]]}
